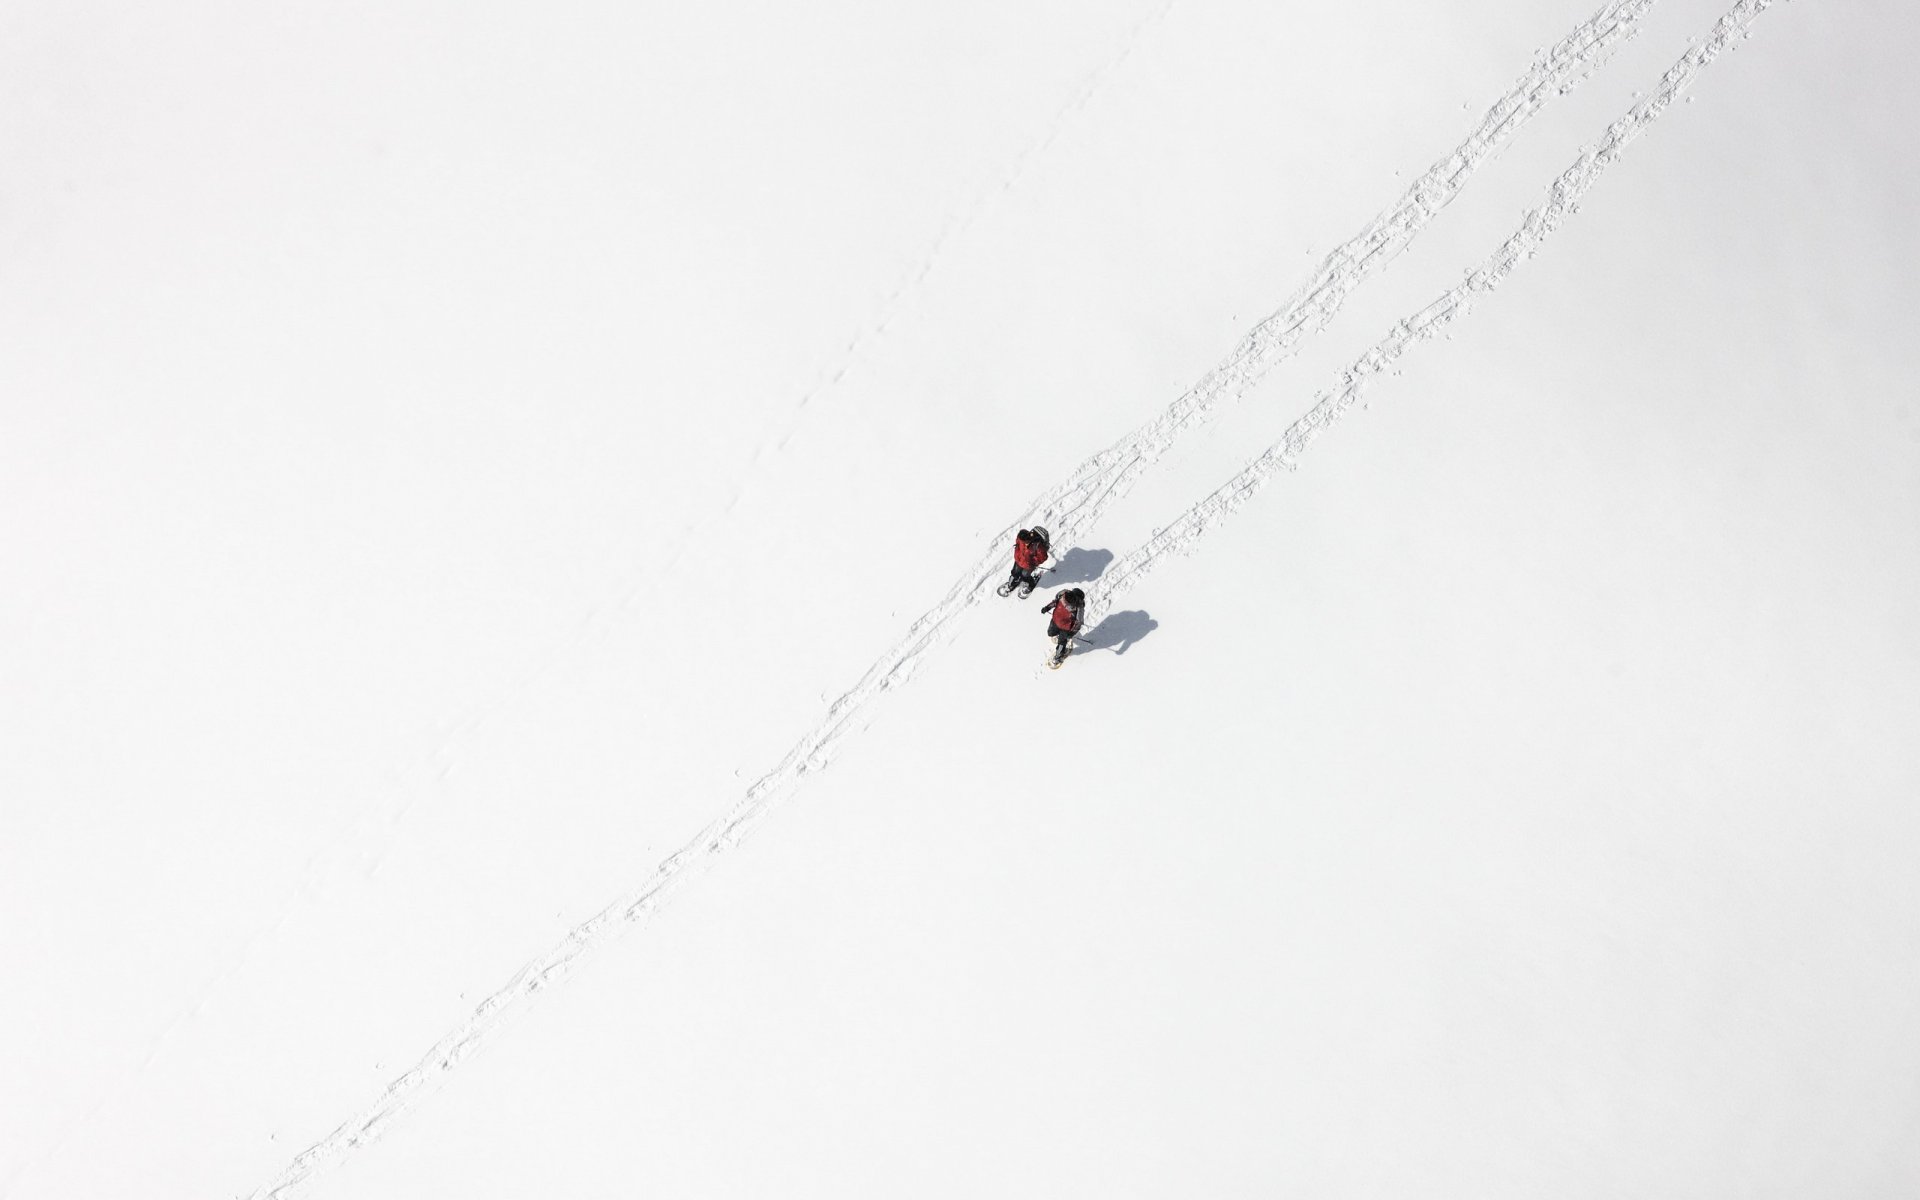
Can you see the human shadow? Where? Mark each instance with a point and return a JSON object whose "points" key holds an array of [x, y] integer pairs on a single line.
{"points": [[1119, 631], [1077, 565]]}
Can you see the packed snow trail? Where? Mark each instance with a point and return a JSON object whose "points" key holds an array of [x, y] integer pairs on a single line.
{"points": [[1539, 224], [353, 843], [1070, 508], [1077, 504]]}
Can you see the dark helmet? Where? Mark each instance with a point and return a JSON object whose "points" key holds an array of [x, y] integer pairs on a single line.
{"points": [[1040, 531], [1076, 597]]}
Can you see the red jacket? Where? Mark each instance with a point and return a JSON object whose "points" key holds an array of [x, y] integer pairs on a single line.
{"points": [[1065, 619], [1029, 553]]}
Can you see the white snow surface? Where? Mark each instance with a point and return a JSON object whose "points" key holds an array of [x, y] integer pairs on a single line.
{"points": [[503, 692]]}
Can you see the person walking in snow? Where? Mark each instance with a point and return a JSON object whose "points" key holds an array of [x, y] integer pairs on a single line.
{"points": [[1029, 551], [1066, 609]]}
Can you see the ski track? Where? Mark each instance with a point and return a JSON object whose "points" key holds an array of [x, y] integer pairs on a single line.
{"points": [[1075, 505]]}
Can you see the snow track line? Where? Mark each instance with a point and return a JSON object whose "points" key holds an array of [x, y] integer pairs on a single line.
{"points": [[895, 302], [1071, 508], [1539, 224], [1074, 506], [368, 835]]}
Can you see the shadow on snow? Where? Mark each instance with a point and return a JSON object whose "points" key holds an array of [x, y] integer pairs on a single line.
{"points": [[1120, 631], [1077, 566]]}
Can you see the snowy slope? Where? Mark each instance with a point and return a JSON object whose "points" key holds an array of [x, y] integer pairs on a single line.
{"points": [[449, 490]]}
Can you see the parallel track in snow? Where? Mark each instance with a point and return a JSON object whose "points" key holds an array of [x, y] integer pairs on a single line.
{"points": [[1536, 227], [1077, 504], [1074, 505]]}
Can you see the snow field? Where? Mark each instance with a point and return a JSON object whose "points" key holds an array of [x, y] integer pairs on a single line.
{"points": [[1526, 790]]}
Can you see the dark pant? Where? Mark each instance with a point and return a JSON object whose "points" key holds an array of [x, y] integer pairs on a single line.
{"points": [[1021, 577]]}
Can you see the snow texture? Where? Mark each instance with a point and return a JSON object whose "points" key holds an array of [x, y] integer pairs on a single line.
{"points": [[1073, 506], [1540, 223], [445, 450]]}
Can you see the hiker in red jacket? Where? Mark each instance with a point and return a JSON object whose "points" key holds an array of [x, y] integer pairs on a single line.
{"points": [[1029, 551], [1066, 608]]}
